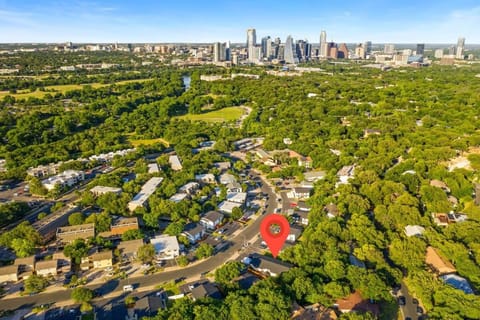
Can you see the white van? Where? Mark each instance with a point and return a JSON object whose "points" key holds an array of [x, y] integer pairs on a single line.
{"points": [[128, 288]]}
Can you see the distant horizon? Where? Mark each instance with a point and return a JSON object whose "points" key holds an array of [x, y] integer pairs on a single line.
{"points": [[110, 21]]}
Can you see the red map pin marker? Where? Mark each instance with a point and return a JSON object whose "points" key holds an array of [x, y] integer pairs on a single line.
{"points": [[274, 241]]}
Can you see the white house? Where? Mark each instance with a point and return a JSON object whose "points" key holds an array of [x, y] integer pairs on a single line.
{"points": [[189, 188], [166, 247], [99, 190], [301, 192], [294, 234], [67, 178], [205, 178], [227, 178], [237, 197], [175, 163], [211, 219], [140, 200], [227, 206], [415, 230], [345, 174]]}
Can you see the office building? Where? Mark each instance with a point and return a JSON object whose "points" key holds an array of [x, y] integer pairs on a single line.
{"points": [[323, 44], [367, 47], [389, 48], [303, 49], [228, 56], [290, 54], [451, 50], [360, 51], [251, 42], [71, 233], [218, 52], [439, 53], [332, 50], [460, 53], [266, 46], [420, 49], [67, 178], [343, 51]]}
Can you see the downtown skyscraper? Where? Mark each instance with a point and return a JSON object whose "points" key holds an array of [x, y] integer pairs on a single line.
{"points": [[460, 48], [323, 44], [251, 43], [290, 54]]}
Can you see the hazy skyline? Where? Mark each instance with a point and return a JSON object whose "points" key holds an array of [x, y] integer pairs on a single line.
{"points": [[193, 21]]}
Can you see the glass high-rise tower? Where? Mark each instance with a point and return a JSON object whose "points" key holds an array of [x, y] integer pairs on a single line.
{"points": [[290, 54]]}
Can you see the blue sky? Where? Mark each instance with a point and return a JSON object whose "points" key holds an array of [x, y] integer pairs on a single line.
{"points": [[212, 20]]}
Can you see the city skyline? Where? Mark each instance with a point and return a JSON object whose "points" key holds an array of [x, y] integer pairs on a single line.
{"points": [[350, 22]]}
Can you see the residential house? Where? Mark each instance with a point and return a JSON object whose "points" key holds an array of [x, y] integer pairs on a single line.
{"points": [[267, 266], [166, 247], [234, 187], [415, 230], [228, 206], [122, 225], [178, 197], [457, 282], [331, 210], [222, 166], [194, 232], [128, 249], [100, 190], [437, 263], [63, 262], [301, 192], [302, 160], [206, 178], [265, 157], [456, 217], [301, 216], [315, 312], [140, 200], [205, 290], [227, 178], [211, 220], [444, 219], [453, 201], [47, 267], [97, 260], [439, 184], [26, 266], [153, 168], [175, 163], [71, 233], [9, 273], [190, 188], [345, 174], [148, 306], [294, 234], [313, 176], [355, 303], [237, 197]]}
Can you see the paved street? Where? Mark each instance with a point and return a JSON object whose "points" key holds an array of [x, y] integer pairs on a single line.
{"points": [[114, 288], [409, 310]]}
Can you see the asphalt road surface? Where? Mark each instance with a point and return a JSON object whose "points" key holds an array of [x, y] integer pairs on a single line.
{"points": [[409, 310], [116, 286]]}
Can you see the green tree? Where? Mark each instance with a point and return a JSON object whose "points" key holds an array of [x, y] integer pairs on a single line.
{"points": [[76, 219], [35, 284], [132, 235], [76, 250], [182, 261], [22, 247], [36, 187], [204, 251], [236, 213], [229, 271], [102, 221], [82, 295], [146, 253], [41, 215]]}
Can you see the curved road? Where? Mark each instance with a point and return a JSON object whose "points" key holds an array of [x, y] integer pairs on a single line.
{"points": [[115, 287]]}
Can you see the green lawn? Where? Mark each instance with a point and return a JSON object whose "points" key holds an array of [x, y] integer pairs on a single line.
{"points": [[225, 114], [23, 94], [147, 142]]}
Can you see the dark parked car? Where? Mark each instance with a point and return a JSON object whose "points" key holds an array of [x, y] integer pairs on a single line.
{"points": [[415, 301], [419, 310], [401, 300]]}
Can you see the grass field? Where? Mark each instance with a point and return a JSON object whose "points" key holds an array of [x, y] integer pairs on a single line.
{"points": [[147, 142], [24, 94], [222, 115]]}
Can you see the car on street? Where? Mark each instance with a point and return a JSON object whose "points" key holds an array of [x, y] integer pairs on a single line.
{"points": [[419, 310], [402, 301], [415, 301]]}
